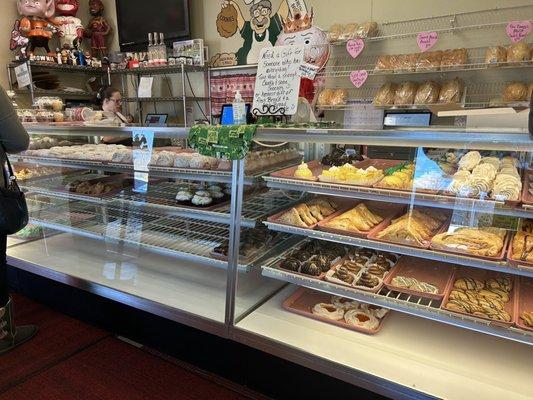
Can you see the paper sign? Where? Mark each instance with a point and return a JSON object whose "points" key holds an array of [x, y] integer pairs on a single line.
{"points": [[277, 83], [23, 75], [143, 144], [359, 78], [426, 40], [145, 87], [355, 47], [308, 71], [518, 30]]}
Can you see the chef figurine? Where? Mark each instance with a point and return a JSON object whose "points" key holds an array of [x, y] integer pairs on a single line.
{"points": [[70, 27], [36, 24], [98, 28]]}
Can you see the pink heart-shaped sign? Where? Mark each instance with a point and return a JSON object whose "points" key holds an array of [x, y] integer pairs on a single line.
{"points": [[426, 40], [518, 30], [359, 78], [355, 47]]}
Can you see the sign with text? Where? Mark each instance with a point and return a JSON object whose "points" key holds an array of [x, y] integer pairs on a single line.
{"points": [[355, 47], [426, 40], [518, 30], [23, 75], [143, 144], [277, 82], [308, 71], [358, 78], [145, 87]]}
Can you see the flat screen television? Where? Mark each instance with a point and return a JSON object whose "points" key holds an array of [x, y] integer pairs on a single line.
{"points": [[136, 18]]}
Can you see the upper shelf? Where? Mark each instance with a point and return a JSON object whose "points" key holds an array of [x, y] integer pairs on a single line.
{"points": [[63, 67], [84, 130]]}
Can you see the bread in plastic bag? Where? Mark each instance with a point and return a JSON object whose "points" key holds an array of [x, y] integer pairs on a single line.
{"points": [[454, 58], [386, 95], [427, 93], [518, 52], [495, 56], [429, 61], [405, 95], [514, 91], [452, 91]]}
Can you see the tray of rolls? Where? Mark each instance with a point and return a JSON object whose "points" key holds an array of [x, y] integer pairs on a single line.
{"points": [[482, 294], [520, 252], [338, 311], [524, 305]]}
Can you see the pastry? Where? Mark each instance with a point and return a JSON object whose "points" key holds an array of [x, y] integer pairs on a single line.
{"points": [[495, 56], [339, 98], [183, 160], [324, 98], [335, 32], [202, 198], [399, 177], [514, 92], [523, 247], [526, 317], [307, 214], [184, 195], [427, 93], [530, 90], [344, 275], [451, 91], [475, 241], [303, 172], [414, 284], [470, 160], [346, 304], [405, 94], [359, 219], [500, 283], [367, 30], [518, 52], [403, 282], [386, 95], [328, 311], [361, 319], [311, 269], [348, 174], [368, 280], [291, 264], [417, 227], [349, 31]]}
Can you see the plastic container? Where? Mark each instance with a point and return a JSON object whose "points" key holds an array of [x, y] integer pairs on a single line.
{"points": [[239, 109], [436, 273], [303, 301]]}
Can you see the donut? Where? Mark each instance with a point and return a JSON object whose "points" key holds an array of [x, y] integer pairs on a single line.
{"points": [[328, 311]]}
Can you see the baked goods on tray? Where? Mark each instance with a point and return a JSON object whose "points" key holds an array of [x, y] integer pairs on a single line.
{"points": [[303, 172], [523, 243], [416, 227], [527, 318], [338, 157], [350, 175], [313, 258], [358, 219], [307, 214], [398, 177], [483, 242], [253, 241], [486, 299], [414, 284]]}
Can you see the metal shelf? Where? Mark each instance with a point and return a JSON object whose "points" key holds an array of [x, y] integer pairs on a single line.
{"points": [[163, 99], [398, 197], [66, 129], [499, 266], [407, 304], [445, 137], [57, 93], [169, 69], [62, 67]]}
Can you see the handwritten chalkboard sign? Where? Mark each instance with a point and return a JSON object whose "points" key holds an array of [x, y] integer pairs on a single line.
{"points": [[278, 80]]}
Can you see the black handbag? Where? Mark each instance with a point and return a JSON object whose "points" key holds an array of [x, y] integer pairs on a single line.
{"points": [[13, 207]]}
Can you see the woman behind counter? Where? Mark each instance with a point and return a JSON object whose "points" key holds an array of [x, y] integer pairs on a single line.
{"points": [[15, 139], [109, 100]]}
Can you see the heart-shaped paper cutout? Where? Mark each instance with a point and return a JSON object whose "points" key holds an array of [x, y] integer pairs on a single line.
{"points": [[359, 78], [426, 40], [355, 47], [518, 30]]}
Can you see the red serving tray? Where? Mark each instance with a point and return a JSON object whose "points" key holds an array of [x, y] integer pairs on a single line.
{"points": [[303, 301], [516, 263], [500, 257], [524, 302], [483, 275], [383, 209], [433, 272]]}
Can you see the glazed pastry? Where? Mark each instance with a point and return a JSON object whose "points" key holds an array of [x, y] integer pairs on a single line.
{"points": [[344, 275], [468, 284], [310, 269], [500, 283], [352, 267], [376, 271], [425, 288], [527, 318], [368, 280], [475, 241], [303, 172], [291, 264], [523, 247], [403, 282], [328, 311], [361, 319]]}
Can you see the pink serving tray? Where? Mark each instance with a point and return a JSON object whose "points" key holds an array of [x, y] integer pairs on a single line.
{"points": [[483, 275], [433, 272], [527, 196], [513, 262], [524, 302], [499, 257], [303, 301], [374, 234], [288, 173], [383, 209]]}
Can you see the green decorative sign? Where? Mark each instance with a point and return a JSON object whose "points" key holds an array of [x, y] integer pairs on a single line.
{"points": [[230, 142]]}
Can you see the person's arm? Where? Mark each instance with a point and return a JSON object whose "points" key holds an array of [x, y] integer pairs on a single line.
{"points": [[12, 134]]}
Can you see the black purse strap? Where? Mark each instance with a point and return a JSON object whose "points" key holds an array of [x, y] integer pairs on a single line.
{"points": [[11, 177]]}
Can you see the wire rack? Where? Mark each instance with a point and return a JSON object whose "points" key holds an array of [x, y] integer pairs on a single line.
{"points": [[163, 99], [63, 67]]}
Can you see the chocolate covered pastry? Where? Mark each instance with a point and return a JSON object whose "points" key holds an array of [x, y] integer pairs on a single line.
{"points": [[291, 264], [368, 280], [344, 275], [310, 269]]}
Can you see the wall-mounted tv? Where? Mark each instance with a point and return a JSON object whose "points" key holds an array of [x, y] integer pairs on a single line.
{"points": [[136, 18]]}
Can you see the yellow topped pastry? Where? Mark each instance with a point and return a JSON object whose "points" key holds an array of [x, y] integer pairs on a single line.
{"points": [[303, 172]]}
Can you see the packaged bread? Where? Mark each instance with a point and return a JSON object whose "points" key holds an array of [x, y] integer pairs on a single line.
{"points": [[514, 91], [404, 62], [386, 95], [367, 30], [384, 63], [349, 31], [339, 97], [427, 93], [405, 94], [530, 91], [454, 58], [324, 98], [452, 91], [518, 52], [495, 56], [429, 61], [335, 32]]}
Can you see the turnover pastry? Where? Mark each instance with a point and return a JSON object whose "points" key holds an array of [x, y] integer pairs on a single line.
{"points": [[476, 241], [328, 311], [359, 219], [527, 318], [308, 214], [523, 247]]}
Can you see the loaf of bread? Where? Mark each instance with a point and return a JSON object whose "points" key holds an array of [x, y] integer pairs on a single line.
{"points": [[428, 93], [429, 61], [452, 91], [386, 95], [454, 58], [518, 52], [405, 94], [515, 91], [495, 56]]}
